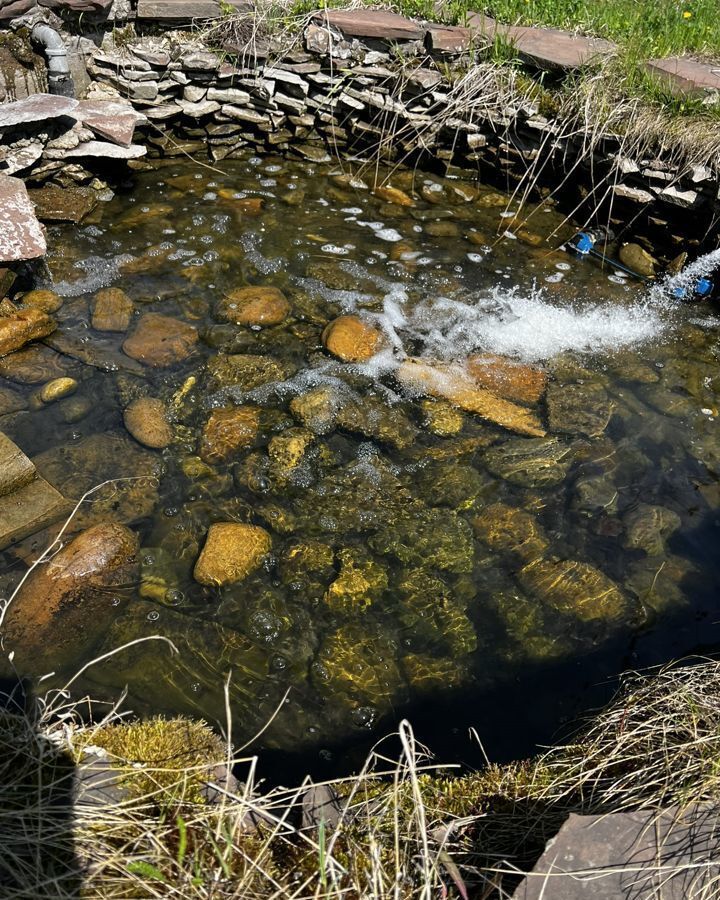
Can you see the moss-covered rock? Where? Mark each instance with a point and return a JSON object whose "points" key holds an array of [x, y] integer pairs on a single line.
{"points": [[360, 583], [539, 463], [245, 371], [419, 537], [431, 614], [228, 430], [509, 529], [232, 551]]}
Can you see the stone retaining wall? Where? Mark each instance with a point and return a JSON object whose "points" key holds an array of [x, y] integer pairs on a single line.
{"points": [[370, 85]]}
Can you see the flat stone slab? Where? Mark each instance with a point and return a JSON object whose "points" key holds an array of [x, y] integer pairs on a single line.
{"points": [[186, 10], [105, 150], [685, 75], [30, 509], [21, 235], [16, 469], [548, 48], [371, 23], [38, 108], [112, 120], [665, 855], [453, 39]]}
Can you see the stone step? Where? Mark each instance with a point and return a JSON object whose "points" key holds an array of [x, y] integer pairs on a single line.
{"points": [[187, 10], [21, 235], [547, 48], [28, 503], [686, 76], [371, 23]]}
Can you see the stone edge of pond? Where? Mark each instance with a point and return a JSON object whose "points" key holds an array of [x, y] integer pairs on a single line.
{"points": [[362, 84]]}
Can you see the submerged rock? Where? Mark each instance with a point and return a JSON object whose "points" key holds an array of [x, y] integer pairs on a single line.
{"points": [[232, 551], [578, 409], [350, 339], [452, 384], [228, 430], [441, 418], [374, 419], [19, 326], [245, 371], [358, 664], [647, 527], [431, 674], [508, 379], [287, 450], [57, 389], [393, 195], [146, 420], [46, 301], [34, 365], [360, 583], [254, 306], [161, 341], [68, 602], [508, 529], [430, 613], [307, 562], [317, 409], [637, 259], [419, 536], [112, 310], [537, 463], [577, 589]]}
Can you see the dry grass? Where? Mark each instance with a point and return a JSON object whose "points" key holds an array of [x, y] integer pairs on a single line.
{"points": [[402, 828]]}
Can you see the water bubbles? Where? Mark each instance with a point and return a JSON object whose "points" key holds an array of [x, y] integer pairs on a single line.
{"points": [[195, 687], [508, 214], [148, 559], [364, 717], [555, 278], [617, 279], [563, 266], [173, 597], [389, 234], [335, 249], [115, 601], [153, 616], [475, 257]]}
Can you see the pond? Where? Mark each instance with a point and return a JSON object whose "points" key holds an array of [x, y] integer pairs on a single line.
{"points": [[509, 498]]}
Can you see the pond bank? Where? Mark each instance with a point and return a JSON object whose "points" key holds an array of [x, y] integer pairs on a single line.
{"points": [[368, 86]]}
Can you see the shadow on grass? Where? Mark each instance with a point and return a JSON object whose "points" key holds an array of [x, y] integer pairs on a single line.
{"points": [[37, 788]]}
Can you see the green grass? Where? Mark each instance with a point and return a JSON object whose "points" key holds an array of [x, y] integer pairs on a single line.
{"points": [[641, 27]]}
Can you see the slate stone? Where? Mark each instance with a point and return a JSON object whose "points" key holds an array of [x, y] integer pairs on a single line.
{"points": [[16, 470], [38, 108], [452, 39], [106, 150], [56, 204], [684, 75], [548, 48], [665, 855], [113, 120], [21, 235], [371, 23], [186, 10], [29, 509]]}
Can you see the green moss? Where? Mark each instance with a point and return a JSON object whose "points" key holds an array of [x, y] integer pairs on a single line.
{"points": [[170, 758]]}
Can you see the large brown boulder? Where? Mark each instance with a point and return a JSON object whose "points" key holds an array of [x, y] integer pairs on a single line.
{"points": [[161, 341], [19, 326], [68, 602]]}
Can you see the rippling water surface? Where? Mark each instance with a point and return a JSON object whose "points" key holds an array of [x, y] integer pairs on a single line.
{"points": [[480, 577]]}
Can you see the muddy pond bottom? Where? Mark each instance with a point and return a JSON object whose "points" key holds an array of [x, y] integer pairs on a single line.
{"points": [[387, 453]]}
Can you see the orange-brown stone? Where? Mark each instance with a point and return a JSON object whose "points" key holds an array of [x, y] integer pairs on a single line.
{"points": [[254, 306], [161, 341], [228, 430], [352, 340], [508, 379]]}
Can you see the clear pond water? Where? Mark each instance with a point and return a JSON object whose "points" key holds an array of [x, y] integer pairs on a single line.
{"points": [[481, 577]]}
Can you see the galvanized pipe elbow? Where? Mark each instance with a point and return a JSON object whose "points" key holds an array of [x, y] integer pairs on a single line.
{"points": [[59, 78]]}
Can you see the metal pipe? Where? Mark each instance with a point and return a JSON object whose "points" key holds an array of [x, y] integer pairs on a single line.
{"points": [[59, 78]]}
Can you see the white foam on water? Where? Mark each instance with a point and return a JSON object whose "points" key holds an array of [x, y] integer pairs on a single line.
{"points": [[525, 326], [99, 272]]}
